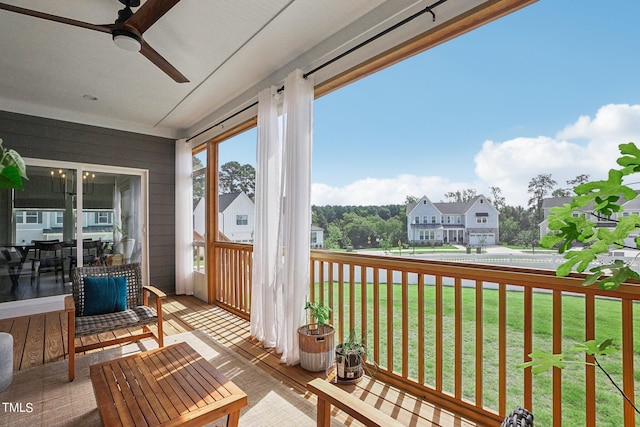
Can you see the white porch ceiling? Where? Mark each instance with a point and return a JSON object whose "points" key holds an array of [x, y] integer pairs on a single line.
{"points": [[228, 49]]}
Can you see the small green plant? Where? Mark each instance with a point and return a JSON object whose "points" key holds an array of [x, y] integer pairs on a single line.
{"points": [[12, 169], [542, 361], [351, 355], [318, 312], [353, 344]]}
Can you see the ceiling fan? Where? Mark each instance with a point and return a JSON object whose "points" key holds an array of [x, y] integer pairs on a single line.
{"points": [[126, 31]]}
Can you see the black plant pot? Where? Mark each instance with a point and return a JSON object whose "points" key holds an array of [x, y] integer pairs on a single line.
{"points": [[349, 363]]}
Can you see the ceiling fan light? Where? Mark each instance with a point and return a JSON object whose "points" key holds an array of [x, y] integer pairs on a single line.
{"points": [[127, 41]]}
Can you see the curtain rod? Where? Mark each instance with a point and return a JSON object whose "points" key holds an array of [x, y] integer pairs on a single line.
{"points": [[427, 9]]}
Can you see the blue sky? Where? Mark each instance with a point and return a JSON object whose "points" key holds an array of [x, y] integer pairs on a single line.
{"points": [[552, 88]]}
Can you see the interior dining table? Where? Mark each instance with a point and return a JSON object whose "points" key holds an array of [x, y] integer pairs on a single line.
{"points": [[16, 255]]}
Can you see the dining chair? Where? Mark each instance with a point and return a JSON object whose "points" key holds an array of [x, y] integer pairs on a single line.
{"points": [[91, 254], [49, 257]]}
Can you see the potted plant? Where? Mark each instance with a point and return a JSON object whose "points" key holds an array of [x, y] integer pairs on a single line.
{"points": [[350, 357], [12, 169], [318, 315], [316, 338], [126, 244]]}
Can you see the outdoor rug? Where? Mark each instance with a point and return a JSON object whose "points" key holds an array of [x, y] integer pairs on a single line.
{"points": [[43, 395]]}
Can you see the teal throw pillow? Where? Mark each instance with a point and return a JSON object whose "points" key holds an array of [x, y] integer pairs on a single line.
{"points": [[104, 295]]}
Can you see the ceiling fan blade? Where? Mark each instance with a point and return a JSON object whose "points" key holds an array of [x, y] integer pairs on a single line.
{"points": [[162, 63], [149, 13], [49, 17]]}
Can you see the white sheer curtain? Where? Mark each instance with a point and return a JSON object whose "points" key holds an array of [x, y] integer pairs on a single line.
{"points": [[184, 218], [136, 226], [283, 211], [117, 214], [267, 217]]}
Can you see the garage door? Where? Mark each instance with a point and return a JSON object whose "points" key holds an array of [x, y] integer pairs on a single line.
{"points": [[482, 238]]}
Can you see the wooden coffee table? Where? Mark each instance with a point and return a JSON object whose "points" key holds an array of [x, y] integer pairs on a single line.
{"points": [[168, 386]]}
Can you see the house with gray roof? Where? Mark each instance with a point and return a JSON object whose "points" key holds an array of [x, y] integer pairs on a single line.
{"points": [[236, 219], [475, 222], [630, 207]]}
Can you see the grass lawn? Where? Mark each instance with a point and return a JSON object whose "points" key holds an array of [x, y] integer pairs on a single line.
{"points": [[608, 325]]}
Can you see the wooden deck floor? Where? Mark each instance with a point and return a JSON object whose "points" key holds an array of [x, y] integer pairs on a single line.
{"points": [[41, 339]]}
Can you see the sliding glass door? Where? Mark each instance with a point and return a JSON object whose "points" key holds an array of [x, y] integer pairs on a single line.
{"points": [[76, 204]]}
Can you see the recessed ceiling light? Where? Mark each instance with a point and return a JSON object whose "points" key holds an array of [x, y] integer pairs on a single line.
{"points": [[90, 97]]}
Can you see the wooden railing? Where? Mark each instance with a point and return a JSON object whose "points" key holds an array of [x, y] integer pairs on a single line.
{"points": [[232, 277], [455, 332], [199, 256]]}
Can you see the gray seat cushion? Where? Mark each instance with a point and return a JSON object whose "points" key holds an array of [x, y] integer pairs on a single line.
{"points": [[136, 316]]}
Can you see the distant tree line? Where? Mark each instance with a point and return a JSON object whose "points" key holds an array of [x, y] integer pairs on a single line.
{"points": [[384, 226], [361, 226]]}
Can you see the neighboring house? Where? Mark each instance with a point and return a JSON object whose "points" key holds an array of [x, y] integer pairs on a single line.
{"points": [[629, 206], [236, 219], [317, 237], [474, 222], [47, 224]]}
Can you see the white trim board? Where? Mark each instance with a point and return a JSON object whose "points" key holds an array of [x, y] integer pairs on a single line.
{"points": [[29, 307]]}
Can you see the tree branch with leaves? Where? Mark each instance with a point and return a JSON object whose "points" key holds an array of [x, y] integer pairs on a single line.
{"points": [[602, 199]]}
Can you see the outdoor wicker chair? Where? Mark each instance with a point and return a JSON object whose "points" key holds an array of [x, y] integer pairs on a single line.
{"points": [[90, 311]]}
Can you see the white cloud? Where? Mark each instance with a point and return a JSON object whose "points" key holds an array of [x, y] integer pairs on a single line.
{"points": [[587, 146], [613, 124], [511, 164], [376, 191]]}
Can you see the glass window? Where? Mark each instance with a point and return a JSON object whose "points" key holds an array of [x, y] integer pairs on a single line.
{"points": [[103, 217], [433, 219], [47, 208], [32, 217], [236, 187]]}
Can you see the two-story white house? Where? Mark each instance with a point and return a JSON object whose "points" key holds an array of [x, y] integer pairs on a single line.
{"points": [[475, 222]]}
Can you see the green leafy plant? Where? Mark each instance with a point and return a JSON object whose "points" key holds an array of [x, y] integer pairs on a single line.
{"points": [[542, 361], [118, 228], [353, 344], [12, 169], [601, 199], [318, 312]]}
